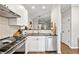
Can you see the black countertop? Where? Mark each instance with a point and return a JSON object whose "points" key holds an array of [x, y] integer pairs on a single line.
{"points": [[39, 34], [3, 43], [5, 46]]}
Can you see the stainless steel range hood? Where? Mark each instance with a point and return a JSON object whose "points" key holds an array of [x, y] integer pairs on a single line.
{"points": [[5, 12]]}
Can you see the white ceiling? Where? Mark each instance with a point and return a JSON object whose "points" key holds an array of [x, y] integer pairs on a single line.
{"points": [[64, 7], [38, 11]]}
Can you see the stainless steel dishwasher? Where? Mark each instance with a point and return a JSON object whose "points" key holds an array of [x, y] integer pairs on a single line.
{"points": [[51, 43]]}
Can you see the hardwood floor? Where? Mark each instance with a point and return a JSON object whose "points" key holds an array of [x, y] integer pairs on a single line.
{"points": [[66, 50], [48, 52]]}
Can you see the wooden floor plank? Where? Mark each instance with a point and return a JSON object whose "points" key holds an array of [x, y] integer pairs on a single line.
{"points": [[64, 49], [48, 52], [67, 50]]}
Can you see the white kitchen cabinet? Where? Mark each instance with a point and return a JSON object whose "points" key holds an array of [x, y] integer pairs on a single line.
{"points": [[32, 44], [51, 43], [21, 49], [16, 8], [5, 12], [36, 43], [26, 46], [41, 43], [20, 10]]}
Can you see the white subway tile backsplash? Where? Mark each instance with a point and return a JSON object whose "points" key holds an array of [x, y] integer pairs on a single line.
{"points": [[5, 29]]}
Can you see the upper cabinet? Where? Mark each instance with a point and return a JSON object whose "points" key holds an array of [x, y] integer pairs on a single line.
{"points": [[16, 8], [5, 12], [20, 10], [16, 14]]}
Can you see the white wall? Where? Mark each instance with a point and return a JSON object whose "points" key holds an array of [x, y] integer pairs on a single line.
{"points": [[75, 26], [66, 26], [5, 29], [73, 14], [56, 17]]}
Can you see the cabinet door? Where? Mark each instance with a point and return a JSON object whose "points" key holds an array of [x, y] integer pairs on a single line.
{"points": [[36, 43], [26, 45], [21, 49], [33, 44], [20, 10], [15, 8], [41, 43]]}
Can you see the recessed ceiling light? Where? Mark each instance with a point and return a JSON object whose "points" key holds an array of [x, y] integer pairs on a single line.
{"points": [[33, 7], [43, 7]]}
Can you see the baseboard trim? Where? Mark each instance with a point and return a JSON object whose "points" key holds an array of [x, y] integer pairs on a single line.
{"points": [[67, 44], [74, 47], [71, 46]]}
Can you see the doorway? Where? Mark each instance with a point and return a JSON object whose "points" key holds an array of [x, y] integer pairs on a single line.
{"points": [[66, 28]]}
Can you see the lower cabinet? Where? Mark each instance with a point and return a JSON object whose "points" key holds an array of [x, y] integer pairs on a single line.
{"points": [[21, 49], [41, 43], [32, 44], [36, 44]]}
